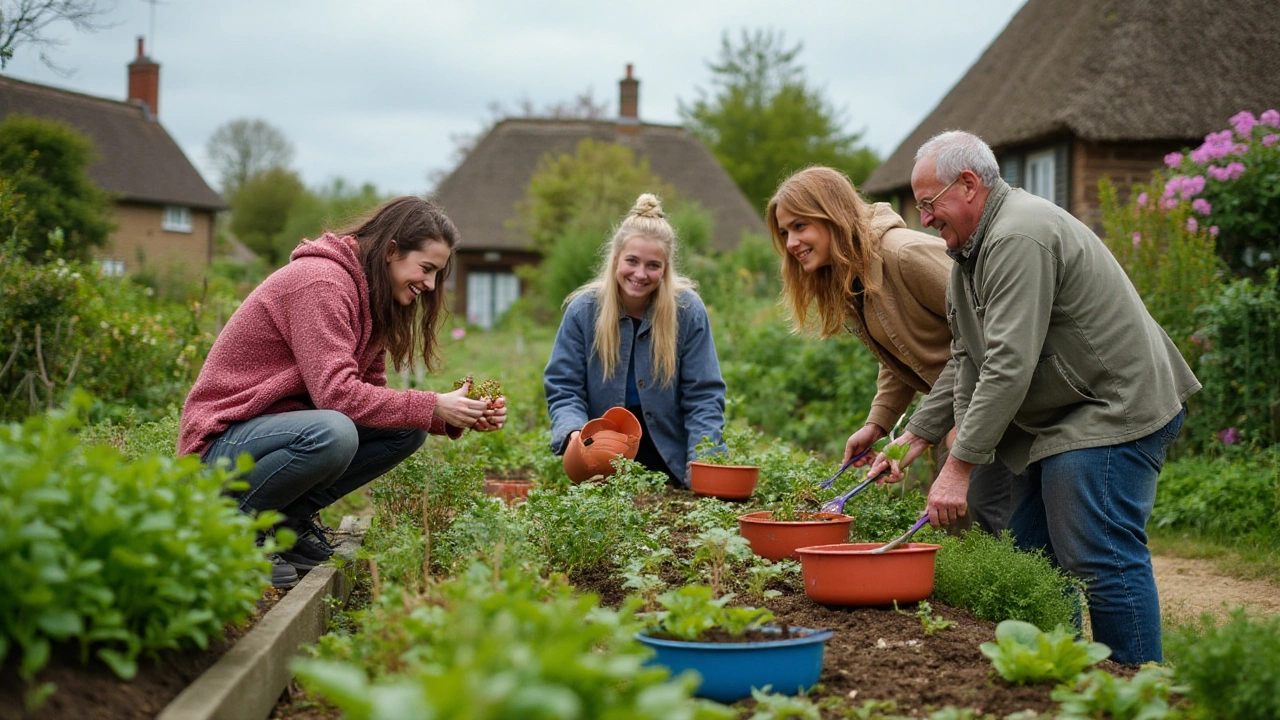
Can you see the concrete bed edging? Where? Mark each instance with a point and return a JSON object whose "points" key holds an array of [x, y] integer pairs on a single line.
{"points": [[247, 681]]}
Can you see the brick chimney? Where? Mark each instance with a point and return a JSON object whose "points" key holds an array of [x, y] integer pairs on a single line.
{"points": [[628, 103], [144, 82]]}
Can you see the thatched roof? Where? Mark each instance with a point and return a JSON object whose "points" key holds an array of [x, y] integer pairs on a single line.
{"points": [[481, 194], [137, 160], [1108, 70]]}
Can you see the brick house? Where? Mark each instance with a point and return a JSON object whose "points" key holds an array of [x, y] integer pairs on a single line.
{"points": [[164, 210], [1075, 90], [480, 195]]}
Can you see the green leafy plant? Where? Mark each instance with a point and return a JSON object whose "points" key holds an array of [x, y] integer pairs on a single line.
{"points": [[715, 550], [1099, 694], [932, 623], [995, 581], [119, 556], [584, 527], [1232, 667], [692, 610], [1023, 653], [484, 390], [772, 706]]}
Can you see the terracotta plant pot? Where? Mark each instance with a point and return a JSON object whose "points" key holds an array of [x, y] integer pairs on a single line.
{"points": [[590, 454], [727, 482], [730, 670], [779, 539], [513, 492], [848, 574]]}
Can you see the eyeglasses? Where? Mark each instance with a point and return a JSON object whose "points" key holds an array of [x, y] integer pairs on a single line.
{"points": [[927, 205]]}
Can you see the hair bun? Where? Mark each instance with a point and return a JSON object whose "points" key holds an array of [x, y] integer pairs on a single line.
{"points": [[649, 206]]}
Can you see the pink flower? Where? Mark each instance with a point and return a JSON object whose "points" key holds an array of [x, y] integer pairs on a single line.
{"points": [[1201, 206], [1137, 239], [1193, 186], [1235, 170], [459, 333], [1213, 230], [1270, 140], [1270, 118], [1142, 200], [1201, 342], [1218, 173], [1173, 159], [1243, 122], [1229, 436], [1192, 225], [1169, 203]]}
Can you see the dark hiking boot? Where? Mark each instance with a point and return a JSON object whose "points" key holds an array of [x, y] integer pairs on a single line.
{"points": [[283, 574], [307, 552]]}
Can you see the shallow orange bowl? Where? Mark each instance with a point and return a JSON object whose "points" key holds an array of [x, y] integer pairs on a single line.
{"points": [[849, 574], [728, 482]]}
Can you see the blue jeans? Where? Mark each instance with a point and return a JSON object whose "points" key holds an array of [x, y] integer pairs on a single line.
{"points": [[1088, 510], [307, 460]]}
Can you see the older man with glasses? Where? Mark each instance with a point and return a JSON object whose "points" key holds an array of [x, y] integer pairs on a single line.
{"points": [[1059, 370]]}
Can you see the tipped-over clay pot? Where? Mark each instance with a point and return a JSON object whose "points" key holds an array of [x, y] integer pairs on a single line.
{"points": [[591, 452]]}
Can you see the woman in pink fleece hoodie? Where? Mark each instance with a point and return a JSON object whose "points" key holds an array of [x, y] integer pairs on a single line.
{"points": [[297, 378]]}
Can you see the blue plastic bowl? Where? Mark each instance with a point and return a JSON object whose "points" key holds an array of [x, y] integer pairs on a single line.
{"points": [[730, 670]]}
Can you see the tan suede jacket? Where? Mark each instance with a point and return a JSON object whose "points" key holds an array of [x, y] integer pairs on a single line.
{"points": [[905, 326], [1054, 349]]}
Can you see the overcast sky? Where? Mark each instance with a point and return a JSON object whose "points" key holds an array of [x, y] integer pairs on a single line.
{"points": [[376, 90]]}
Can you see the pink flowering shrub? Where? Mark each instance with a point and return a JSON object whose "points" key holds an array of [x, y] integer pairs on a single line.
{"points": [[1232, 182]]}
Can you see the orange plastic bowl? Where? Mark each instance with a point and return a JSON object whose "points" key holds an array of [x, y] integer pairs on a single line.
{"points": [[848, 574], [727, 482], [513, 492], [779, 539]]}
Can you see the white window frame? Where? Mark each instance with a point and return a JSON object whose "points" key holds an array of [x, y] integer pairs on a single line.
{"points": [[1041, 174], [176, 218], [111, 267]]}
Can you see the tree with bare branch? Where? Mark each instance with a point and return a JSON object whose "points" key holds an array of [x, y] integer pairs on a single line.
{"points": [[27, 22]]}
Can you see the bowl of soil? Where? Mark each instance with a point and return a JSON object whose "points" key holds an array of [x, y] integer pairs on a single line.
{"points": [[850, 574], [779, 539]]}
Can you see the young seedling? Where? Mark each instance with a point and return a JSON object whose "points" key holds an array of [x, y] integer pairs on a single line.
{"points": [[931, 622], [487, 390]]}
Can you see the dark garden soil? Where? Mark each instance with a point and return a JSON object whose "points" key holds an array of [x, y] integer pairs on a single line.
{"points": [[93, 692]]}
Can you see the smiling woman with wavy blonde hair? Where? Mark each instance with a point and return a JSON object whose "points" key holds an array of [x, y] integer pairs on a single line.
{"points": [[852, 265]]}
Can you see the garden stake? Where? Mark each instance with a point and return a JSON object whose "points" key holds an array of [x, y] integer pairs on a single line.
{"points": [[902, 538]]}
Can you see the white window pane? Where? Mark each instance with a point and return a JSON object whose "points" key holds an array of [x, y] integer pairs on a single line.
{"points": [[1040, 174]]}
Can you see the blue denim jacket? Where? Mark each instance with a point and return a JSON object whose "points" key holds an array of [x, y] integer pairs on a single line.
{"points": [[677, 415]]}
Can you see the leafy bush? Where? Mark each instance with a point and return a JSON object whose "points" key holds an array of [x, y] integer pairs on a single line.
{"points": [[120, 556], [1239, 331], [486, 646], [1023, 653], [1227, 498], [1232, 667], [1233, 183], [690, 611], [62, 326], [995, 581]]}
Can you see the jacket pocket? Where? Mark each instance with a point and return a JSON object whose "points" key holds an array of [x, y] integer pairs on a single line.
{"points": [[1053, 394]]}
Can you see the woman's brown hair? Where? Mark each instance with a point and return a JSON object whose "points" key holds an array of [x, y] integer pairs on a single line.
{"points": [[826, 196], [397, 227]]}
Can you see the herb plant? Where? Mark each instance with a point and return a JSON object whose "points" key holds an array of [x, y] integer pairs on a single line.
{"points": [[484, 390], [932, 623], [119, 556], [690, 611], [1232, 667], [1022, 653], [1099, 694]]}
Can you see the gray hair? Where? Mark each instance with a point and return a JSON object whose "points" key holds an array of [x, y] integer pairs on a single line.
{"points": [[955, 151]]}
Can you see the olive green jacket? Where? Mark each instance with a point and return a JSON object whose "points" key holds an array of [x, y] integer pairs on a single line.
{"points": [[1053, 349]]}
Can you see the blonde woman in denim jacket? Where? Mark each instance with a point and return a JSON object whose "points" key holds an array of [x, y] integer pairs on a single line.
{"points": [[638, 336]]}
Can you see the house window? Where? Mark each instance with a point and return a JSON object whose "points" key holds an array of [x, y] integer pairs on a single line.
{"points": [[176, 219], [1045, 172], [489, 295], [112, 267], [1040, 174]]}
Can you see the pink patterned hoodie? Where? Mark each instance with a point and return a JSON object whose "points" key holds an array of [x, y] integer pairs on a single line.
{"points": [[300, 341]]}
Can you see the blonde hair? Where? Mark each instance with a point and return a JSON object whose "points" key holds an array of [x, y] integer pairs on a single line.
{"points": [[646, 220], [825, 196]]}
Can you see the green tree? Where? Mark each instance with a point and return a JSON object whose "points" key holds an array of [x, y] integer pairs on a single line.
{"points": [[763, 120], [574, 201], [260, 208], [243, 148], [46, 163], [325, 209]]}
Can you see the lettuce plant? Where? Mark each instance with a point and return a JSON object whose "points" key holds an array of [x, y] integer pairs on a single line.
{"points": [[1097, 694], [1022, 653]]}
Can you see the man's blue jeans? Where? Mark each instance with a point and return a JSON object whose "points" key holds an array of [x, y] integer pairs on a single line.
{"points": [[307, 460], [1088, 510]]}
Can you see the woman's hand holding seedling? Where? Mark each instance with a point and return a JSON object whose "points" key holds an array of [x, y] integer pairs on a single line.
{"points": [[494, 414], [897, 456]]}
